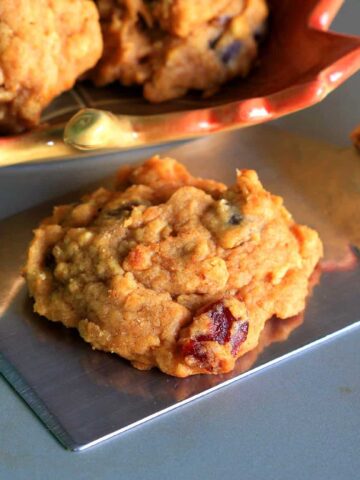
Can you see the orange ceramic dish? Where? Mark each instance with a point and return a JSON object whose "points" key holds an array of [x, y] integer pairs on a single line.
{"points": [[299, 64]]}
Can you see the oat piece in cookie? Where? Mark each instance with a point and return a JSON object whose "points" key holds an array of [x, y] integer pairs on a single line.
{"points": [[173, 47], [44, 46], [172, 271]]}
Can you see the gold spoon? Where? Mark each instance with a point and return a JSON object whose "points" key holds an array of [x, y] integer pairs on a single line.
{"points": [[92, 131]]}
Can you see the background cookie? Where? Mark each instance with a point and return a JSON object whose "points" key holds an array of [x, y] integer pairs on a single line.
{"points": [[45, 45], [171, 48]]}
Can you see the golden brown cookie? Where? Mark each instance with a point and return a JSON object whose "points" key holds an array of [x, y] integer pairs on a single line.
{"points": [[171, 270], [45, 45], [173, 47]]}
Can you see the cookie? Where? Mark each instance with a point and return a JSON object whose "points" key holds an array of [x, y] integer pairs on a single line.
{"points": [[172, 271], [173, 47], [45, 45]]}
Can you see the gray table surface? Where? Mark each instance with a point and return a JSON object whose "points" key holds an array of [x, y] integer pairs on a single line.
{"points": [[299, 419]]}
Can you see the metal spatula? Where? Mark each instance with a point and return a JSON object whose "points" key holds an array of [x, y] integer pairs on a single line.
{"points": [[85, 396]]}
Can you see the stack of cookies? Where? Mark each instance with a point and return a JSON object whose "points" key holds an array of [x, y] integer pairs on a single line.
{"points": [[167, 46]]}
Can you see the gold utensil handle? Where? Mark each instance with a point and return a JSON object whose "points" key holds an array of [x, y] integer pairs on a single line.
{"points": [[93, 129], [43, 144]]}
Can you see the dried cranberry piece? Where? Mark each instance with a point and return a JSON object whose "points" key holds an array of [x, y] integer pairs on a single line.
{"points": [[222, 320], [224, 328], [239, 336], [196, 350]]}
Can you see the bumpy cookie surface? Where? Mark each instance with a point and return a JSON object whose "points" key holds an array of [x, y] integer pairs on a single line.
{"points": [[170, 270], [44, 46], [171, 47]]}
